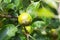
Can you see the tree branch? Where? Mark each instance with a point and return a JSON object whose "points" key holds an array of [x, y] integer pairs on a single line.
{"points": [[6, 16]]}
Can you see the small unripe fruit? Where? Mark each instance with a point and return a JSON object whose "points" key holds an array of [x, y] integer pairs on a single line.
{"points": [[54, 33], [28, 29]]}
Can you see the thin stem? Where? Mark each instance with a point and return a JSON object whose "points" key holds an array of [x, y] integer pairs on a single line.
{"points": [[18, 25], [27, 37], [6, 16], [31, 37]]}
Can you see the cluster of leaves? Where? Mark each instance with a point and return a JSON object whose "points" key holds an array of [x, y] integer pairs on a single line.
{"points": [[43, 26]]}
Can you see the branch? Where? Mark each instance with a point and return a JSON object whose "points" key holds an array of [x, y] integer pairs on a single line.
{"points": [[6, 16], [28, 35]]}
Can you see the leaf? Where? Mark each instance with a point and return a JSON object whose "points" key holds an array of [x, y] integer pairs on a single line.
{"points": [[7, 32], [18, 4], [35, 0], [40, 36], [25, 3], [45, 13], [51, 3], [22, 37], [33, 6], [0, 1], [7, 1], [32, 9], [19, 37], [10, 6], [38, 24]]}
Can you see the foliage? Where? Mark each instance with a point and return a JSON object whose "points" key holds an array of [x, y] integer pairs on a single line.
{"points": [[29, 20]]}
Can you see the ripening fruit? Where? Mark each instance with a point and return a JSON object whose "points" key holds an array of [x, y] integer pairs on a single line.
{"points": [[24, 18], [53, 32], [29, 29]]}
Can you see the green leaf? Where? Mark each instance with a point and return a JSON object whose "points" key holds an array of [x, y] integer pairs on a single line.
{"points": [[18, 37], [8, 31], [33, 6], [35, 0], [38, 24], [25, 3], [10, 6], [32, 9], [7, 1], [18, 4], [45, 13], [0, 1], [51, 3], [40, 36], [22, 37]]}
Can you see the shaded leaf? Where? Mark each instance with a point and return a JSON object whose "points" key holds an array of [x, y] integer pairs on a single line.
{"points": [[7, 1], [7, 32]]}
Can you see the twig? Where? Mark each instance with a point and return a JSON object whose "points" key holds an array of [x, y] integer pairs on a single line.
{"points": [[26, 33], [31, 37], [18, 25], [6, 16], [27, 37]]}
